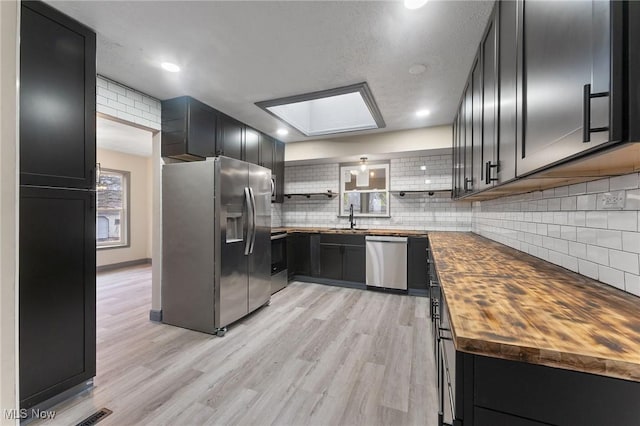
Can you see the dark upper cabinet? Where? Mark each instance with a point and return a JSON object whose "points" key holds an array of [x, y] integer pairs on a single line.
{"points": [[57, 291], [230, 137], [57, 99], [267, 148], [278, 170], [188, 129], [566, 83], [507, 54], [251, 146], [476, 127], [489, 107], [467, 163]]}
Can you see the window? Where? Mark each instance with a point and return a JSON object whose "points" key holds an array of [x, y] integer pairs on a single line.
{"points": [[366, 187], [112, 220]]}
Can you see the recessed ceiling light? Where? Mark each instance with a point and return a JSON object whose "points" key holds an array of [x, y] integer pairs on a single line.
{"points": [[343, 109], [423, 112], [416, 69], [283, 132], [414, 4], [168, 66], [423, 167]]}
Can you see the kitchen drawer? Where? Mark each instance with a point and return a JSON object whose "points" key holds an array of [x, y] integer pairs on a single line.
{"points": [[554, 395], [484, 417], [354, 240]]}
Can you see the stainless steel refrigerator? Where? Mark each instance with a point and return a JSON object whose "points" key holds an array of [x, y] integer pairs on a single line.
{"points": [[216, 241]]}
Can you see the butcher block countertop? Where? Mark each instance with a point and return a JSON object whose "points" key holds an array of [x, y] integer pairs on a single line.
{"points": [[507, 304], [357, 231]]}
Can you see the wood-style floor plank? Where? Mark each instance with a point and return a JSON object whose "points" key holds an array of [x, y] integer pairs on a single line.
{"points": [[318, 355]]}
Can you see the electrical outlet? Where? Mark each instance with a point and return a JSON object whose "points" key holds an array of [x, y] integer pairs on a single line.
{"points": [[612, 200]]}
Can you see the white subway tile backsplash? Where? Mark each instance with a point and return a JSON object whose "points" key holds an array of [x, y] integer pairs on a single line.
{"points": [[601, 185], [631, 181], [597, 254], [572, 229], [608, 238], [632, 283], [623, 220], [589, 269], [596, 219], [611, 276], [119, 101], [624, 261]]}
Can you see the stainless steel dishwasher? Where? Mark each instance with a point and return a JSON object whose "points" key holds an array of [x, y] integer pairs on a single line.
{"points": [[387, 262]]}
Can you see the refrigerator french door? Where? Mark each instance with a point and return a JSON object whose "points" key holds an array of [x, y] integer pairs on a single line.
{"points": [[216, 242]]}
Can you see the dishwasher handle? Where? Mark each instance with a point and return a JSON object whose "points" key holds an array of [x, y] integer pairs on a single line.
{"points": [[385, 239]]}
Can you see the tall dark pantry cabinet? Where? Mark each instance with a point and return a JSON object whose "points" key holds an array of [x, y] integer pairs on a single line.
{"points": [[57, 331]]}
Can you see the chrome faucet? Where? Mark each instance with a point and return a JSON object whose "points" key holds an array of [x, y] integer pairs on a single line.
{"points": [[352, 221]]}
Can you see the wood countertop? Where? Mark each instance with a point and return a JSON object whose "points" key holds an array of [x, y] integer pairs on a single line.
{"points": [[357, 231], [507, 304]]}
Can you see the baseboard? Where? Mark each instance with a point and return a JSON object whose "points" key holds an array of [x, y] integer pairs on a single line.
{"points": [[155, 315], [420, 292], [325, 281], [121, 265], [46, 407]]}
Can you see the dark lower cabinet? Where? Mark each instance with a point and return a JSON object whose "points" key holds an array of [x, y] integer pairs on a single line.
{"points": [[57, 291], [331, 261], [354, 264], [298, 254], [417, 266], [484, 417], [57, 99]]}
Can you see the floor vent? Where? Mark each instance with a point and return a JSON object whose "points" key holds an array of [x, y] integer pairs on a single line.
{"points": [[95, 417]]}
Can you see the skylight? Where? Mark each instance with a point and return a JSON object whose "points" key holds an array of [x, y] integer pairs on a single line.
{"points": [[344, 109]]}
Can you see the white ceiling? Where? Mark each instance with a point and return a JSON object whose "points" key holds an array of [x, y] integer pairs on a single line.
{"points": [[236, 53], [121, 137]]}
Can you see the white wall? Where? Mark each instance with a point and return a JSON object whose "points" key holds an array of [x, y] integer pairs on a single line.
{"points": [[413, 211], [9, 27], [376, 143], [567, 226], [140, 209]]}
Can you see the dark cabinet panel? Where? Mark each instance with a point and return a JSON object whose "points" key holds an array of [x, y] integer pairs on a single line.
{"points": [[230, 137], [188, 129], [476, 125], [331, 261], [57, 291], [507, 89], [417, 276], [267, 148], [251, 146], [57, 99], [467, 164], [484, 417], [489, 151], [298, 254], [278, 170], [354, 264], [565, 60]]}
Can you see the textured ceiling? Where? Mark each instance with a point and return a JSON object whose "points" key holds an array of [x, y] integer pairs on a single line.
{"points": [[234, 54]]}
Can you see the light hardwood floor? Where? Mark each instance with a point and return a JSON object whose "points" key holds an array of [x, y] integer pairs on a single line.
{"points": [[318, 355]]}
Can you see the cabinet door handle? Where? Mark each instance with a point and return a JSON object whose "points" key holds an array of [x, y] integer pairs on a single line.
{"points": [[487, 172], [586, 113], [466, 184]]}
